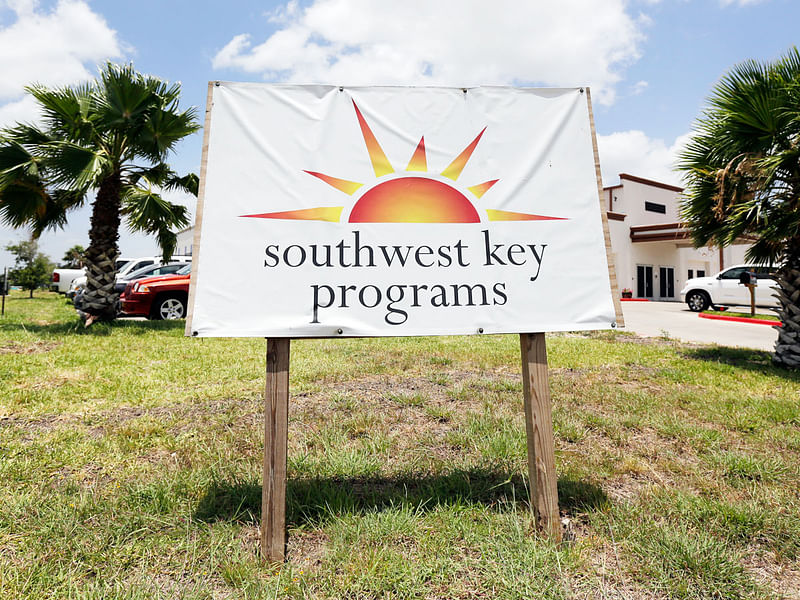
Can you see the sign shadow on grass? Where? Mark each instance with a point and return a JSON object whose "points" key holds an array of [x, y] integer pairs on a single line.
{"points": [[316, 500]]}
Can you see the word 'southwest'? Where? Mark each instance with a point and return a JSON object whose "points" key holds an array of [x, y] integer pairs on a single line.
{"points": [[355, 253]]}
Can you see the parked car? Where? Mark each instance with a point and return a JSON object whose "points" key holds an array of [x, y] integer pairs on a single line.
{"points": [[170, 268], [119, 286], [724, 288], [162, 297], [130, 265], [63, 278]]}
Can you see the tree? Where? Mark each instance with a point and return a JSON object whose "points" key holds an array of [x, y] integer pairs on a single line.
{"points": [[31, 268], [742, 168], [110, 137], [73, 258]]}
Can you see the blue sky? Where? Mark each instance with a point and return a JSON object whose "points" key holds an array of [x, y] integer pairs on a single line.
{"points": [[650, 63]]}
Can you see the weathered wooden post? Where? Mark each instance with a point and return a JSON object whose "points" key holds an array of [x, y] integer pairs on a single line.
{"points": [[539, 432], [276, 424]]}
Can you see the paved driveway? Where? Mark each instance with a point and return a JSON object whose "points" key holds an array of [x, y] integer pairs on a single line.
{"points": [[653, 319]]}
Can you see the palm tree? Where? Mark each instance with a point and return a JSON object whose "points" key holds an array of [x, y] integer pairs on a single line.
{"points": [[111, 137], [742, 169], [73, 258]]}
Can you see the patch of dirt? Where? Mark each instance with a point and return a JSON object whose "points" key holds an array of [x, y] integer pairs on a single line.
{"points": [[604, 577], [105, 420], [306, 549], [12, 347], [781, 578], [54, 378]]}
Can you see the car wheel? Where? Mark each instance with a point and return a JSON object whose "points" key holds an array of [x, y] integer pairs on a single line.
{"points": [[169, 308], [698, 301]]}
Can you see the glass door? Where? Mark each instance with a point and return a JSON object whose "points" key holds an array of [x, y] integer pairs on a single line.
{"points": [[644, 281], [666, 282]]}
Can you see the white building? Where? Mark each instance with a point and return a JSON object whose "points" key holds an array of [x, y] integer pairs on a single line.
{"points": [[652, 252], [183, 247]]}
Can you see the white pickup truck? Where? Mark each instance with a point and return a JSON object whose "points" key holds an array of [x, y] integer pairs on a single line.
{"points": [[724, 289], [62, 279]]}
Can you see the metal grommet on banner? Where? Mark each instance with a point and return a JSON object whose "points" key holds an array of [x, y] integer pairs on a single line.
{"points": [[339, 331], [341, 88], [216, 84], [581, 90], [480, 329], [195, 333], [613, 325]]}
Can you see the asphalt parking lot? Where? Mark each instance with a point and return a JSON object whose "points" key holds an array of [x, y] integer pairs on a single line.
{"points": [[674, 319]]}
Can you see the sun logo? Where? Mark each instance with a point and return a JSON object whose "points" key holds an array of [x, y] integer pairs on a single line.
{"points": [[405, 198]]}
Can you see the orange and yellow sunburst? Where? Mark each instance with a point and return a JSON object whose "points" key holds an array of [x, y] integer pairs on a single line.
{"points": [[406, 198]]}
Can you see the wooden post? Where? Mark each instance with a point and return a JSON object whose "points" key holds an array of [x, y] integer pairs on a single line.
{"points": [[276, 425], [4, 291], [539, 430]]}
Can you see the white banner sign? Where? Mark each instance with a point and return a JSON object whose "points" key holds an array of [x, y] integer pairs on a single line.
{"points": [[386, 211]]}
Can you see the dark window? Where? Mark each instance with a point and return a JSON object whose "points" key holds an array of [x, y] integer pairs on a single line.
{"points": [[691, 273], [733, 273], [141, 264], [701, 273], [764, 272], [654, 207]]}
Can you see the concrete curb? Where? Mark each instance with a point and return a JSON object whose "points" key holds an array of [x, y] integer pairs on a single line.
{"points": [[740, 320]]}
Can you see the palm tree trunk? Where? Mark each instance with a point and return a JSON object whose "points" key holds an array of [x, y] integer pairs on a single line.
{"points": [[787, 347], [100, 300]]}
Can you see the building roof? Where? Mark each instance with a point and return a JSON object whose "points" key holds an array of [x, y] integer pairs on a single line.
{"points": [[642, 180]]}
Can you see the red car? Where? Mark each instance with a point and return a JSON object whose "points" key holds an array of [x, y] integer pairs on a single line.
{"points": [[162, 297]]}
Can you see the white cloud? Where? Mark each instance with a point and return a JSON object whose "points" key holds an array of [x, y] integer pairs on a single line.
{"points": [[639, 87], [634, 153], [450, 42], [725, 3], [56, 47], [19, 111]]}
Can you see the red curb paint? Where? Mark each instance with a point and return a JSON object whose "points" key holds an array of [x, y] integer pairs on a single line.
{"points": [[634, 300], [740, 320]]}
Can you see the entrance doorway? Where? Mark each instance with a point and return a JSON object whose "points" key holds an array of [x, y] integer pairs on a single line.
{"points": [[644, 281], [666, 282]]}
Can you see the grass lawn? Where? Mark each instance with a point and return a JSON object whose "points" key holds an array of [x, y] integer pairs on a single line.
{"points": [[130, 467]]}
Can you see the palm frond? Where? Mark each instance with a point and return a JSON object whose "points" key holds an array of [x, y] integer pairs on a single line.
{"points": [[147, 211], [67, 111], [26, 135], [187, 183], [21, 202], [163, 177], [167, 241], [123, 96], [74, 165], [54, 214], [16, 163], [163, 129]]}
